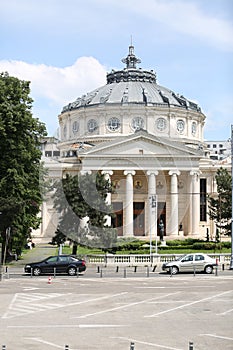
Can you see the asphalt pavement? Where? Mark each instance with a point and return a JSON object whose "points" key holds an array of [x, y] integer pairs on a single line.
{"points": [[109, 308]]}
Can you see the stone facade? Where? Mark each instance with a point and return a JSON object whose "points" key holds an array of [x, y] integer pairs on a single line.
{"points": [[148, 141]]}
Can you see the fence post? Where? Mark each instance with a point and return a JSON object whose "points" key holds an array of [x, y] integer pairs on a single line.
{"points": [[124, 272], [190, 345], [170, 271], [54, 272], [147, 271]]}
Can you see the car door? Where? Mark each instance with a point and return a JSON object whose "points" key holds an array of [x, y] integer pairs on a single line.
{"points": [[49, 265], [199, 262], [62, 263], [186, 264]]}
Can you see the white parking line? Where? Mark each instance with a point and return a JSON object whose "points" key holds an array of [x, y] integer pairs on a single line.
{"points": [[217, 336], [188, 304], [150, 344], [125, 306], [70, 326], [18, 308], [39, 340], [226, 312]]}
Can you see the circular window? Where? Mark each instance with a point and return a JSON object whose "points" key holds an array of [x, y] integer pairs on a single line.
{"points": [[194, 128], [137, 123], [161, 124], [180, 125], [75, 127], [114, 124], [92, 125]]}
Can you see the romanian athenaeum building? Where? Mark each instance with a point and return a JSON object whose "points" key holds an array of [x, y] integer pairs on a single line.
{"points": [[148, 140]]}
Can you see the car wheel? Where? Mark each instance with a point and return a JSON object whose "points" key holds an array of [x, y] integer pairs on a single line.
{"points": [[36, 271], [175, 270], [72, 271], [209, 269]]}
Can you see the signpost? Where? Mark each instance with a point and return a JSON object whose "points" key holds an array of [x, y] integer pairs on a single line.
{"points": [[153, 221], [231, 262]]}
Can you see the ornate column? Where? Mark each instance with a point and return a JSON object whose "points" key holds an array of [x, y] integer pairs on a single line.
{"points": [[152, 206], [190, 190], [107, 175], [195, 202], [128, 205], [173, 224]]}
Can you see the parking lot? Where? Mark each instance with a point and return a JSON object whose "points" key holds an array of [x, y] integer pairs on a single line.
{"points": [[111, 310]]}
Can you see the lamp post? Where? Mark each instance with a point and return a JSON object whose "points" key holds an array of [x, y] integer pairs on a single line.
{"points": [[231, 262]]}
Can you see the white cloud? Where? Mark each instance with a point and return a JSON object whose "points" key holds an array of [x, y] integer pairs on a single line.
{"points": [[52, 87], [58, 84], [186, 17], [192, 18]]}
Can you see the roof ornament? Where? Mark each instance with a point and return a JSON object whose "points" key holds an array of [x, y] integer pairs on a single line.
{"points": [[131, 59]]}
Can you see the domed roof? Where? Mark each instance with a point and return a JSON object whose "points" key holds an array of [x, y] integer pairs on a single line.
{"points": [[132, 85]]}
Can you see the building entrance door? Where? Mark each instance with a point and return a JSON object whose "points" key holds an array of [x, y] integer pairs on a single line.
{"points": [[117, 222], [139, 218]]}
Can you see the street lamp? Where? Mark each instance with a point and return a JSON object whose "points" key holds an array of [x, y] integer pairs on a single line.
{"points": [[231, 262]]}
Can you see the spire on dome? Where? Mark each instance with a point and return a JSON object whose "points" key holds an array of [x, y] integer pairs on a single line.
{"points": [[131, 59]]}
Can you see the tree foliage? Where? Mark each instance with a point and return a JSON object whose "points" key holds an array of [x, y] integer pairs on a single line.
{"points": [[20, 167], [78, 197], [220, 205]]}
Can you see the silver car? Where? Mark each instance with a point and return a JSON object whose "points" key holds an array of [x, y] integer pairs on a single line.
{"points": [[197, 262]]}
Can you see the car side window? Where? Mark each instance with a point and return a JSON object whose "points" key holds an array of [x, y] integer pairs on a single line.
{"points": [[199, 258], [62, 259], [52, 259], [188, 258]]}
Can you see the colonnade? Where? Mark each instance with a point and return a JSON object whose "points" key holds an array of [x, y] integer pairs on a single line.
{"points": [[172, 229]]}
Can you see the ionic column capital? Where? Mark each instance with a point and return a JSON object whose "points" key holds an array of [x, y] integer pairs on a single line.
{"points": [[107, 172], [129, 172], [174, 172], [152, 172]]}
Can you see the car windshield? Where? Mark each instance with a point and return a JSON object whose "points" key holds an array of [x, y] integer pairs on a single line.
{"points": [[181, 257]]}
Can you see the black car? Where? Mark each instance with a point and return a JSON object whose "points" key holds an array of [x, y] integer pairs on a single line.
{"points": [[57, 264]]}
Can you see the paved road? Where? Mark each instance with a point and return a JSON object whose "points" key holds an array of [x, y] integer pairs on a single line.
{"points": [[106, 309], [92, 312]]}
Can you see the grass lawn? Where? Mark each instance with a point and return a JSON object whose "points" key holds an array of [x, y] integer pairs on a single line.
{"points": [[86, 251]]}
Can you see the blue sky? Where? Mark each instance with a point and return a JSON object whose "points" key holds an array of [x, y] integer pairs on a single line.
{"points": [[66, 47]]}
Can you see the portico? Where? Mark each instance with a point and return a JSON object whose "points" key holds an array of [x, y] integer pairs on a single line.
{"points": [[148, 141]]}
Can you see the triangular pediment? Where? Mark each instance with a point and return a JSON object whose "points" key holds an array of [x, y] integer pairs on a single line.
{"points": [[142, 143]]}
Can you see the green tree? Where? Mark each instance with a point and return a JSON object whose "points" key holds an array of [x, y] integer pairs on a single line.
{"points": [[80, 196], [220, 205], [21, 172]]}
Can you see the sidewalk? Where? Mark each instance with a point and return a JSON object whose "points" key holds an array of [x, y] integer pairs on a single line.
{"points": [[40, 252]]}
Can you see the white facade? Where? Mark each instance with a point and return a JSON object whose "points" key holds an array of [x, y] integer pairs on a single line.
{"points": [[149, 142]]}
